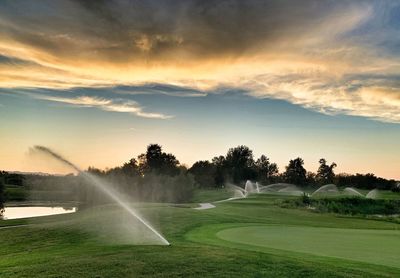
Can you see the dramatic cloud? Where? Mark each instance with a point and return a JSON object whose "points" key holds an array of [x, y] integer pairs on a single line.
{"points": [[331, 56], [351, 95]]}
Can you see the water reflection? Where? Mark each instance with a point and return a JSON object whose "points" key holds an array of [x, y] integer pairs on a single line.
{"points": [[24, 212]]}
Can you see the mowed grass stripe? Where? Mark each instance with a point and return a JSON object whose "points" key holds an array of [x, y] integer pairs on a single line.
{"points": [[365, 245]]}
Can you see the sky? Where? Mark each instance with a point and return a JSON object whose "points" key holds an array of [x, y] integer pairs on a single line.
{"points": [[100, 80]]}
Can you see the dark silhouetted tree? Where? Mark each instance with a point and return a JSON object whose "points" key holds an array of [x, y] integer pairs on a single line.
{"points": [[14, 179], [2, 196], [158, 162], [131, 168], [295, 172], [367, 181], [310, 177], [240, 164], [203, 173], [266, 170], [325, 172], [95, 171], [220, 170]]}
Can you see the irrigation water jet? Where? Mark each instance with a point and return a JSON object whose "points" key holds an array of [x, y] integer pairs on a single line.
{"points": [[238, 192], [352, 191], [275, 187], [250, 187], [291, 190], [327, 188], [114, 195], [373, 194]]}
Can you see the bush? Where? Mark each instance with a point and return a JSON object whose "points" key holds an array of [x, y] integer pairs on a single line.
{"points": [[351, 205], [305, 199], [2, 198]]}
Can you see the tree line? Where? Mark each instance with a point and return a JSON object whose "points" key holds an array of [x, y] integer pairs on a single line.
{"points": [[159, 176], [239, 165], [153, 176]]}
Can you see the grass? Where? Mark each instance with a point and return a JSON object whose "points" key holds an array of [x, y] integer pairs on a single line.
{"points": [[352, 244], [386, 194], [57, 246], [211, 195]]}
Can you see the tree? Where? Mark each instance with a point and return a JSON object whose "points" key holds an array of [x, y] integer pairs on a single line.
{"points": [[2, 197], [367, 181], [305, 199], [295, 172], [14, 179], [240, 164], [95, 171], [310, 177], [265, 169], [204, 173], [131, 168], [220, 171], [158, 162], [325, 172]]}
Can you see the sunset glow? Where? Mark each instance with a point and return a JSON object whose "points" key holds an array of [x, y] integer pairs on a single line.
{"points": [[100, 80]]}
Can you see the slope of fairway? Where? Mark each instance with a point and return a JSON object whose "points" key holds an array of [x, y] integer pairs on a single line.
{"points": [[371, 246], [77, 245]]}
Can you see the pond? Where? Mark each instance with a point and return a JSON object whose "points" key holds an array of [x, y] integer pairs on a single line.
{"points": [[34, 211]]}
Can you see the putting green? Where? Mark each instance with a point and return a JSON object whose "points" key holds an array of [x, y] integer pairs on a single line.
{"points": [[371, 246]]}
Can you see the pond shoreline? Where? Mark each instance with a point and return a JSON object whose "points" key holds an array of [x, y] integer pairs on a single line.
{"points": [[26, 210]]}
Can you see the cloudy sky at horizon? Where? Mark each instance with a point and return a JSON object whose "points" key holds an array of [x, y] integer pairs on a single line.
{"points": [[99, 80]]}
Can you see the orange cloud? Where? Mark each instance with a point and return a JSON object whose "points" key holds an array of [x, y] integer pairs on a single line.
{"points": [[304, 53]]}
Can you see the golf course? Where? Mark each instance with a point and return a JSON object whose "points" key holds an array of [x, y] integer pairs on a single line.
{"points": [[218, 138], [250, 237]]}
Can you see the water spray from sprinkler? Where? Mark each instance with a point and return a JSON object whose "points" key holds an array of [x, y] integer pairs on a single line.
{"points": [[105, 189]]}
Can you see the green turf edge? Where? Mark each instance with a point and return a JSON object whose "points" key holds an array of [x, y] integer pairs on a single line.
{"points": [[208, 235]]}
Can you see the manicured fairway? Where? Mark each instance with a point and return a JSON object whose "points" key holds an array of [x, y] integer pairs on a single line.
{"points": [[372, 246], [204, 243]]}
